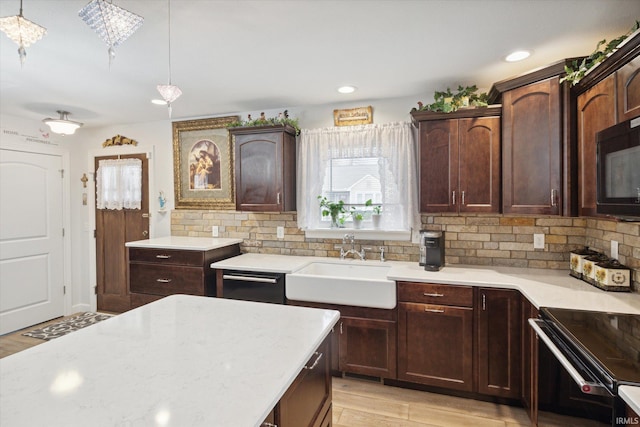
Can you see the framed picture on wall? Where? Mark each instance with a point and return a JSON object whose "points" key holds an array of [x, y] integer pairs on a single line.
{"points": [[203, 164]]}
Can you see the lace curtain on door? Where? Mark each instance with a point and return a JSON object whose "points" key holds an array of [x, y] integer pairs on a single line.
{"points": [[119, 184]]}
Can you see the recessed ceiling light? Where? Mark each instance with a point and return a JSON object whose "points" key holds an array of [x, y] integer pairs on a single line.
{"points": [[347, 89], [518, 55], [159, 101]]}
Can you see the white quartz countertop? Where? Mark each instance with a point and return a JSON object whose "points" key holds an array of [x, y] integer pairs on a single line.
{"points": [[631, 395], [184, 243], [180, 361], [268, 263], [544, 288]]}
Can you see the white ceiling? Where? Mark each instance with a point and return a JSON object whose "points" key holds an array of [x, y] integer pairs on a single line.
{"points": [[232, 56]]}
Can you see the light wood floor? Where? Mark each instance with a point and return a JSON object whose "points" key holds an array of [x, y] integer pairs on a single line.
{"points": [[363, 403]]}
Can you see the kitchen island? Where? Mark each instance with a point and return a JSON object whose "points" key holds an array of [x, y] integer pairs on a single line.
{"points": [[180, 361]]}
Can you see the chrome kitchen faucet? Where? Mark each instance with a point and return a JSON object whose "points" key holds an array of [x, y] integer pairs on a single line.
{"points": [[351, 238]]}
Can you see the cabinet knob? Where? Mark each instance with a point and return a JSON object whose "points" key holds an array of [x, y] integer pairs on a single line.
{"points": [[278, 198], [553, 198], [453, 197], [463, 203], [434, 310], [163, 280]]}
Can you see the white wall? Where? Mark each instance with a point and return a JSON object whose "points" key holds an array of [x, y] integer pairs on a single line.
{"points": [[155, 138]]}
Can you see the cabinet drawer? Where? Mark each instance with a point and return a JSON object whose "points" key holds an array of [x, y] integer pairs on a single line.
{"points": [[165, 280], [167, 256], [431, 293]]}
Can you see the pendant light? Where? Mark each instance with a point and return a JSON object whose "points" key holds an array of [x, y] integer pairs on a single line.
{"points": [[22, 31], [169, 92], [113, 24]]}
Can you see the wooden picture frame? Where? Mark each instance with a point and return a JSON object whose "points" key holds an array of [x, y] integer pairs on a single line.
{"points": [[203, 164], [353, 116]]}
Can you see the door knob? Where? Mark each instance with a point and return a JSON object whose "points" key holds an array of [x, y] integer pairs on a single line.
{"points": [[145, 233]]}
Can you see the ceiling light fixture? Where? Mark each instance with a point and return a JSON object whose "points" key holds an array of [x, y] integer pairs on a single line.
{"points": [[63, 125], [22, 31], [518, 55], [347, 89], [169, 92], [112, 23]]}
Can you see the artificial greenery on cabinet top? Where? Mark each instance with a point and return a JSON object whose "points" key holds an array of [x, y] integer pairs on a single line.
{"points": [[282, 119], [448, 102], [579, 68]]}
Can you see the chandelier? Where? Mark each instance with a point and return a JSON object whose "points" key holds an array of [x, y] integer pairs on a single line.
{"points": [[169, 92], [63, 125], [22, 31], [112, 23]]}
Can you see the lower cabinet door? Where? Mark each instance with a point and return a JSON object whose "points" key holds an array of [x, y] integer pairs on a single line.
{"points": [[499, 345], [367, 347], [307, 401], [435, 345]]}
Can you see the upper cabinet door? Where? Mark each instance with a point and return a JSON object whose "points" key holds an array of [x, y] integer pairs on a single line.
{"points": [[479, 164], [596, 111], [438, 166], [258, 180], [265, 168], [628, 80], [532, 147]]}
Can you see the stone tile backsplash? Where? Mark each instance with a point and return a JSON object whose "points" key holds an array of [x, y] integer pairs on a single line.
{"points": [[498, 240]]}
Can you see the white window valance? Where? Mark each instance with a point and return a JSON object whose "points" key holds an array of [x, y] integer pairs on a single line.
{"points": [[393, 144], [119, 184]]}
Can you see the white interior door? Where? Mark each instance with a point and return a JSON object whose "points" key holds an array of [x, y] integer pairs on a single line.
{"points": [[31, 239]]}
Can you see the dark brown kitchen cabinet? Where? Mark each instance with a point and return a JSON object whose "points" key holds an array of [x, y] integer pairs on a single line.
{"points": [[459, 160], [307, 402], [608, 95], [364, 340], [157, 272], [498, 326], [265, 168], [539, 171], [435, 335], [532, 147], [628, 87], [529, 358], [367, 347], [596, 111]]}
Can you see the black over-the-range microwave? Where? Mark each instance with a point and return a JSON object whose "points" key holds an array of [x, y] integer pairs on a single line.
{"points": [[618, 179]]}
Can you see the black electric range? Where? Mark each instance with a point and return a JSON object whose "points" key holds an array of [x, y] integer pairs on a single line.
{"points": [[609, 343]]}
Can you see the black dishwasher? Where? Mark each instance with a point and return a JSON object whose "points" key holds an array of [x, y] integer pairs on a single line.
{"points": [[253, 286]]}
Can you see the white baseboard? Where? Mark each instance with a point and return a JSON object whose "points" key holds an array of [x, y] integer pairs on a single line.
{"points": [[79, 308]]}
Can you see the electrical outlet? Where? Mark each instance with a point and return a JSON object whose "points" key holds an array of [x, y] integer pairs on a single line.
{"points": [[214, 231], [538, 241], [280, 232], [614, 249]]}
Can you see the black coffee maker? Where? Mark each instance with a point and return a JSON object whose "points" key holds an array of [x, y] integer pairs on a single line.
{"points": [[433, 243]]}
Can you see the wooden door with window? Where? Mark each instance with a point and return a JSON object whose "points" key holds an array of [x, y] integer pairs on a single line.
{"points": [[113, 229]]}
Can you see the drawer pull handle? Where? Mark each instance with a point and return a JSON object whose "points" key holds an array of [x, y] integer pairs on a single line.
{"points": [[249, 279], [163, 280], [426, 294], [434, 310], [315, 362], [163, 256]]}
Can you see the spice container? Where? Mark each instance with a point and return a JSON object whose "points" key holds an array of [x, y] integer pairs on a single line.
{"points": [[589, 267], [576, 261], [612, 276]]}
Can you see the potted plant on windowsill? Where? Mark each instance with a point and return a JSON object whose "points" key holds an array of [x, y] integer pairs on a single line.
{"points": [[376, 216], [357, 216], [332, 209]]}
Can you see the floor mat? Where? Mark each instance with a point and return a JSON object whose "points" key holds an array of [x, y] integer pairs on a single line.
{"points": [[58, 329]]}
